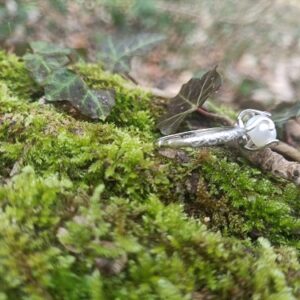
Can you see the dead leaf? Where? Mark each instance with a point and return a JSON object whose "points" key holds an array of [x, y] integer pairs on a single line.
{"points": [[192, 95]]}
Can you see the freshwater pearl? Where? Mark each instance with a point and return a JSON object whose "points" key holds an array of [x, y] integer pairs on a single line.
{"points": [[263, 133]]}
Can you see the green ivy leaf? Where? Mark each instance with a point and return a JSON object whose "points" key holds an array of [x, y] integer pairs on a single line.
{"points": [[46, 58], [116, 54], [47, 65], [40, 67], [192, 95], [48, 49], [65, 85]]}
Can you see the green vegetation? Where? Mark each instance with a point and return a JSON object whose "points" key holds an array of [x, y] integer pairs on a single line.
{"points": [[91, 210]]}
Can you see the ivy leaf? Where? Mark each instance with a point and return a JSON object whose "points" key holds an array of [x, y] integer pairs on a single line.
{"points": [[49, 49], [47, 65], [46, 59], [282, 113], [40, 67], [65, 85], [116, 54], [192, 95]]}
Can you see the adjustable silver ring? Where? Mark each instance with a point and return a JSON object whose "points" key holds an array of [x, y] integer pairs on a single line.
{"points": [[254, 130]]}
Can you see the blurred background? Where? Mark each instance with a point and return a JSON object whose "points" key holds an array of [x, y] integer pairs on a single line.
{"points": [[255, 43]]}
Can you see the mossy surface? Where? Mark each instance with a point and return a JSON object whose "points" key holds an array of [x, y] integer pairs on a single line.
{"points": [[92, 210]]}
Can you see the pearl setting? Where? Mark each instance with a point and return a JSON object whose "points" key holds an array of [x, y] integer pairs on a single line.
{"points": [[259, 127]]}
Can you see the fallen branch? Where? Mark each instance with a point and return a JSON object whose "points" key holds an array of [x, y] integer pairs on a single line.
{"points": [[273, 162], [287, 151]]}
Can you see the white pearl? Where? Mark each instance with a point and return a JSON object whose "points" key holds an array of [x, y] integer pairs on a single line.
{"points": [[263, 133]]}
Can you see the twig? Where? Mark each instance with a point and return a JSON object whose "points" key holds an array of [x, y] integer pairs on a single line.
{"points": [[129, 77], [275, 163], [287, 151]]}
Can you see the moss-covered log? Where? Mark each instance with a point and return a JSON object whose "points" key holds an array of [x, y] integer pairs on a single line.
{"points": [[92, 210]]}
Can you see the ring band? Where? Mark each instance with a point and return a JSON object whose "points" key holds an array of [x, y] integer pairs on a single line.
{"points": [[202, 137], [254, 129]]}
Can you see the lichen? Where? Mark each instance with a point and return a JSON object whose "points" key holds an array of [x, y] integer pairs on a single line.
{"points": [[91, 210]]}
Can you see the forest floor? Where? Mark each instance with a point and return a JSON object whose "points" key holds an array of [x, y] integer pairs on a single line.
{"points": [[94, 210]]}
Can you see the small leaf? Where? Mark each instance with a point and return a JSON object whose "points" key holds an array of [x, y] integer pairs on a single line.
{"points": [[66, 85], [47, 65], [45, 48], [116, 54], [192, 95], [45, 59], [41, 67], [282, 113]]}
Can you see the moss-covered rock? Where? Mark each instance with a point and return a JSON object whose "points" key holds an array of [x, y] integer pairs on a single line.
{"points": [[93, 211]]}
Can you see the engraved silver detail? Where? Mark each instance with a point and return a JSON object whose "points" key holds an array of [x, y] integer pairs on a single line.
{"points": [[254, 129]]}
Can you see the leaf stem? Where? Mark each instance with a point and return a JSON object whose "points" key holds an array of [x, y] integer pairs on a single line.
{"points": [[223, 120]]}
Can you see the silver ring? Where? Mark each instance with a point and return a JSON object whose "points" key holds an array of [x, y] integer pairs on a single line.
{"points": [[254, 130]]}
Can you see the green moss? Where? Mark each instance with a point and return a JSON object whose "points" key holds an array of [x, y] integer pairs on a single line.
{"points": [[230, 196], [13, 72], [132, 104], [244, 203], [58, 234], [92, 210]]}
